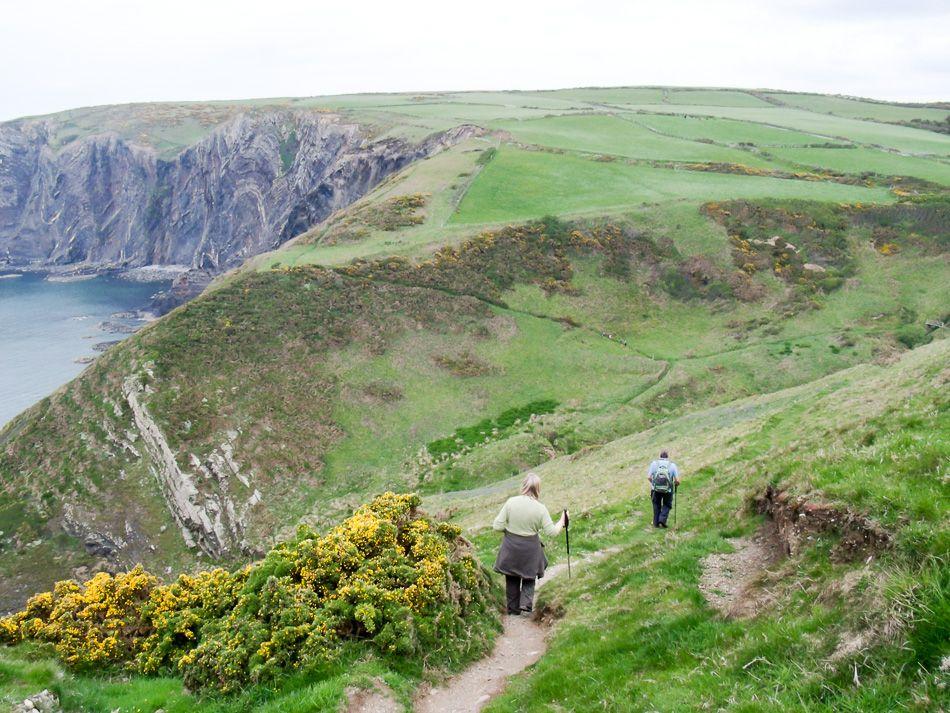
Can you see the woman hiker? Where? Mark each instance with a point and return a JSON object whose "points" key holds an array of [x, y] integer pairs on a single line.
{"points": [[521, 557]]}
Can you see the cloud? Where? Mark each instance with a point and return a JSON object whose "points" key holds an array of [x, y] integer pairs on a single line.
{"points": [[58, 54]]}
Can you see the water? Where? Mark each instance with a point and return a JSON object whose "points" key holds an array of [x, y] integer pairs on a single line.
{"points": [[45, 326]]}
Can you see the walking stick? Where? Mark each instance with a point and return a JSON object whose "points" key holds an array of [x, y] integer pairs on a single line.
{"points": [[676, 489], [567, 537]]}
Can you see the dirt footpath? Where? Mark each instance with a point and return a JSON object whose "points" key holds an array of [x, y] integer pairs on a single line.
{"points": [[522, 643]]}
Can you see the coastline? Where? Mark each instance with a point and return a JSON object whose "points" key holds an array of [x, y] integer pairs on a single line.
{"points": [[78, 273], [180, 283]]}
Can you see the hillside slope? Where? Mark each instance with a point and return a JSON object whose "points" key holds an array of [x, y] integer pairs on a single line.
{"points": [[353, 358], [834, 598], [800, 573]]}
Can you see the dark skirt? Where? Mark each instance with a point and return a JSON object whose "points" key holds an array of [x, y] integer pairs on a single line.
{"points": [[521, 556]]}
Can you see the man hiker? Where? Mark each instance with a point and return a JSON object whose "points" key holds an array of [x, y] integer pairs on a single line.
{"points": [[664, 477]]}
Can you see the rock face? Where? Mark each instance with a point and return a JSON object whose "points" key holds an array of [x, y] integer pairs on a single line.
{"points": [[212, 517], [251, 184]]}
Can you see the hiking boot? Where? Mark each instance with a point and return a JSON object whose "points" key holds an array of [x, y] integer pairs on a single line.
{"points": [[663, 525], [527, 610]]}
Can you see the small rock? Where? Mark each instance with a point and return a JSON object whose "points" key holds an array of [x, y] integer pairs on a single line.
{"points": [[44, 701], [99, 545]]}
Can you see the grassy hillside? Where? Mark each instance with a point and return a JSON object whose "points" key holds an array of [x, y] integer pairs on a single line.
{"points": [[843, 623], [745, 277]]}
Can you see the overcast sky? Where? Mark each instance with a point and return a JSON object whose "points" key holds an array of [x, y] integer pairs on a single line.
{"points": [[57, 54]]}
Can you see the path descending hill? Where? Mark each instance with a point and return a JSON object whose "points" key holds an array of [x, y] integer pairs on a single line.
{"points": [[756, 280]]}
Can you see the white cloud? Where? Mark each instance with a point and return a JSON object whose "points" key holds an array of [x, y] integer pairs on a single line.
{"points": [[58, 54]]}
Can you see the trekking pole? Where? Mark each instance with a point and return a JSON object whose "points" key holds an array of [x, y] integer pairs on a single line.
{"points": [[567, 537], [676, 489]]}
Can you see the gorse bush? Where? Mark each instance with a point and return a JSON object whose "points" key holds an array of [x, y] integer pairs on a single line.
{"points": [[387, 576], [99, 622]]}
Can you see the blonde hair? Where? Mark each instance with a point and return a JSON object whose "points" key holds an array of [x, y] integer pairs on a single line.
{"points": [[531, 486]]}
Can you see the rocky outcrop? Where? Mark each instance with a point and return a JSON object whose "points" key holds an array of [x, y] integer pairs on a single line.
{"points": [[205, 504], [251, 184]]}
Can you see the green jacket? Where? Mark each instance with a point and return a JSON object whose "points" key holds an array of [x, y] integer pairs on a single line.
{"points": [[525, 516]]}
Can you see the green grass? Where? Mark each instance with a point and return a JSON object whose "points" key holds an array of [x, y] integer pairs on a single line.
{"points": [[861, 160], [726, 131], [713, 97], [612, 95], [857, 109], [520, 185], [170, 128], [616, 136], [901, 138], [27, 669], [469, 111], [636, 624]]}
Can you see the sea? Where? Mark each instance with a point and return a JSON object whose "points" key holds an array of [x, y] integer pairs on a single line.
{"points": [[49, 328]]}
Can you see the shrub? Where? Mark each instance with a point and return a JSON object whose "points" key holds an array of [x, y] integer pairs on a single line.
{"points": [[466, 437], [486, 156], [91, 624], [387, 576], [912, 335]]}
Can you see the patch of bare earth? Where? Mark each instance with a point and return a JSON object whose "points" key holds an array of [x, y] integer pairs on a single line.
{"points": [[729, 581], [798, 520], [378, 699]]}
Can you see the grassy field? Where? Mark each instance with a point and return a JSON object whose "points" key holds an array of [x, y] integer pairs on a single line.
{"points": [[860, 160], [857, 109], [900, 138], [858, 419], [616, 136], [520, 185], [677, 651], [170, 127], [725, 131]]}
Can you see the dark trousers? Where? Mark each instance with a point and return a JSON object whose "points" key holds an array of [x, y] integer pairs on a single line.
{"points": [[520, 593], [662, 504]]}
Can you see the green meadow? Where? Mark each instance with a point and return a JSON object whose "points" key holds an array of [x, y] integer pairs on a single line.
{"points": [[862, 160], [857, 109], [901, 138], [619, 136], [725, 131], [520, 185]]}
